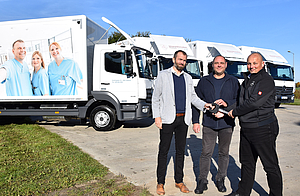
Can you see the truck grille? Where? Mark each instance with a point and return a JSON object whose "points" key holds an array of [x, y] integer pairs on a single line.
{"points": [[149, 95], [283, 90]]}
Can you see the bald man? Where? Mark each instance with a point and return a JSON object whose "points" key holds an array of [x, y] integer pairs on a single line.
{"points": [[259, 128]]}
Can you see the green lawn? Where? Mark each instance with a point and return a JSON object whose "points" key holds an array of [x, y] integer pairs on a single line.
{"points": [[34, 161], [296, 102]]}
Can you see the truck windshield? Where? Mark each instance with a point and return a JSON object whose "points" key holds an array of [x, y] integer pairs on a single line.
{"points": [[280, 72], [143, 65], [236, 68], [192, 66]]}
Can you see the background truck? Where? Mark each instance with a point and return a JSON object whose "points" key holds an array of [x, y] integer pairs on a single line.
{"points": [[163, 49], [114, 86], [282, 72], [207, 51]]}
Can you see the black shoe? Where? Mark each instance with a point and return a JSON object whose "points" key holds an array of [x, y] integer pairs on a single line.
{"points": [[220, 185], [234, 194], [201, 186]]}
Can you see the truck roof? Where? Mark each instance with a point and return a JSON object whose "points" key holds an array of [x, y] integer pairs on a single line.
{"points": [[161, 45], [268, 54], [206, 49], [168, 45]]}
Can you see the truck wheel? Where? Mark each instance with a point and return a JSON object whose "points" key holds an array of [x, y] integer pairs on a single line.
{"points": [[277, 105], [103, 118]]}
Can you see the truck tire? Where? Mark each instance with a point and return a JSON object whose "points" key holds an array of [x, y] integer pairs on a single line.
{"points": [[277, 105], [103, 118]]}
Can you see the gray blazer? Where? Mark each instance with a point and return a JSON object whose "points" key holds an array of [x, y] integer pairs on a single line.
{"points": [[163, 98]]}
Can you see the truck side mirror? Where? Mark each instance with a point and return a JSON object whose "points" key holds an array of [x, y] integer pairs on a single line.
{"points": [[128, 57], [128, 64], [149, 54], [128, 70]]}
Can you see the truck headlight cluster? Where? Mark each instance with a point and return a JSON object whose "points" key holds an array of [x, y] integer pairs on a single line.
{"points": [[145, 109]]}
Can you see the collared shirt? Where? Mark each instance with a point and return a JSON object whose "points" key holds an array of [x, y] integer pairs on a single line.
{"points": [[174, 72], [17, 81]]}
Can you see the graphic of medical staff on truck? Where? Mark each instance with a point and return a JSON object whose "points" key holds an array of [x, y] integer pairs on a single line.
{"points": [[63, 74], [65, 77], [89, 79]]}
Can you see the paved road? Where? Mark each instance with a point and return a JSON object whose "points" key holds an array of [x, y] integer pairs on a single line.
{"points": [[132, 151]]}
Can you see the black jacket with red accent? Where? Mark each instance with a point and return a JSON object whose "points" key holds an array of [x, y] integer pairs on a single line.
{"points": [[256, 101]]}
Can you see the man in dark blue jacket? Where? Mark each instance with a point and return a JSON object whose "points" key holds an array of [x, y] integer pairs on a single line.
{"points": [[222, 89]]}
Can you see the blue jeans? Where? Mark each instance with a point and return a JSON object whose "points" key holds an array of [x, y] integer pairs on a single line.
{"points": [[166, 133], [209, 138]]}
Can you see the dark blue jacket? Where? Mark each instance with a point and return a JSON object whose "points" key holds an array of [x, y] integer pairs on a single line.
{"points": [[206, 91]]}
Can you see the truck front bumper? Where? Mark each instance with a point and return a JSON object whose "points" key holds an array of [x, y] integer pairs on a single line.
{"points": [[284, 98]]}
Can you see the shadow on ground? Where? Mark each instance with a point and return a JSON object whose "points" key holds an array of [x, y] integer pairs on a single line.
{"points": [[194, 149]]}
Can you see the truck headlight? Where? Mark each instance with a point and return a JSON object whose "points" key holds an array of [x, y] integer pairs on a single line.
{"points": [[145, 109]]}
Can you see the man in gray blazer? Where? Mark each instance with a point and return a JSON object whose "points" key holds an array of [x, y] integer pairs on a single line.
{"points": [[171, 104]]}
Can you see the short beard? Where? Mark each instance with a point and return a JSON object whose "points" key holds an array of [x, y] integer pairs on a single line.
{"points": [[218, 73], [177, 67]]}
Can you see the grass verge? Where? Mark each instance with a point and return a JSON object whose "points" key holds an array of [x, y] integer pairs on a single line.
{"points": [[34, 161], [296, 102]]}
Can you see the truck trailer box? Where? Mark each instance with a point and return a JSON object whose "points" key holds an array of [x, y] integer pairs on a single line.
{"points": [[75, 34], [105, 83]]}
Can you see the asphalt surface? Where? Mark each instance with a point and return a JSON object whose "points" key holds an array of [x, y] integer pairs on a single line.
{"points": [[131, 151]]}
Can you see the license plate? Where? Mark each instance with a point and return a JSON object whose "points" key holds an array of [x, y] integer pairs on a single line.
{"points": [[284, 97]]}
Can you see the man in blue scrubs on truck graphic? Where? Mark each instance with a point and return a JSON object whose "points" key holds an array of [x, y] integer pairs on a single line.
{"points": [[15, 73]]}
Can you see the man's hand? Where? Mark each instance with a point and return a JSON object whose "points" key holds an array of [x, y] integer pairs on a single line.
{"points": [[158, 122], [230, 114], [218, 115], [221, 102], [196, 127], [208, 106]]}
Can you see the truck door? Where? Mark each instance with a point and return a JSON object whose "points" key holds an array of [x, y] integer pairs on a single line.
{"points": [[118, 76]]}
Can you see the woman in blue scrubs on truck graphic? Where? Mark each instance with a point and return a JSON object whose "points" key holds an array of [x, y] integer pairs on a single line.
{"points": [[65, 75], [40, 80]]}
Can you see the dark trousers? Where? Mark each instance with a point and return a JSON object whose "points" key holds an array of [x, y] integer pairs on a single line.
{"points": [[209, 137], [166, 133], [260, 142]]}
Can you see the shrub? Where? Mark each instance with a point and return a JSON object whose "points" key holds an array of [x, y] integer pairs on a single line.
{"points": [[297, 93]]}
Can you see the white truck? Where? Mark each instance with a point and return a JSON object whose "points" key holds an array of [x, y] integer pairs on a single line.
{"points": [[163, 49], [114, 87], [282, 73], [207, 51]]}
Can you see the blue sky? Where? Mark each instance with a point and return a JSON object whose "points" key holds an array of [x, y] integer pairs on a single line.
{"points": [[272, 24]]}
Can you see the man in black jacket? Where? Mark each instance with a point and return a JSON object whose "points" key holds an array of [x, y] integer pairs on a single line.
{"points": [[222, 89], [259, 128]]}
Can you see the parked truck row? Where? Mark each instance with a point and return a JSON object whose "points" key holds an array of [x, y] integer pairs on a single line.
{"points": [[236, 56], [201, 54], [116, 80]]}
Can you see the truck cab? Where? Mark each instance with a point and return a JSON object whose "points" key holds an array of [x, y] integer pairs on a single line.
{"points": [[207, 51], [121, 75], [163, 49]]}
